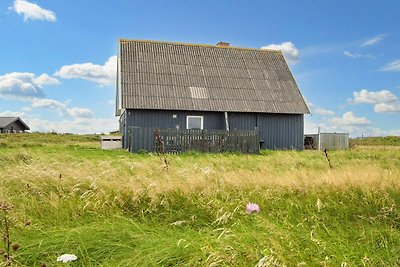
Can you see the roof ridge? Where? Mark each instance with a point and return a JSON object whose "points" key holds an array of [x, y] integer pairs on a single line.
{"points": [[199, 45]]}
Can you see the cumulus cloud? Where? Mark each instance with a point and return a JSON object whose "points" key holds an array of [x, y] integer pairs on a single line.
{"points": [[76, 125], [45, 79], [387, 107], [337, 125], [101, 74], [11, 114], [80, 112], [61, 108], [24, 84], [32, 11], [372, 41], [349, 119], [384, 101], [47, 103], [322, 111], [289, 50], [368, 97], [392, 66], [314, 109]]}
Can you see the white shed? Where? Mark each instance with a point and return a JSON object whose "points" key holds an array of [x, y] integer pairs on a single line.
{"points": [[110, 142]]}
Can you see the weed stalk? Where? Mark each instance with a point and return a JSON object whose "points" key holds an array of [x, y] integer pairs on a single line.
{"points": [[6, 235], [327, 158], [161, 148]]}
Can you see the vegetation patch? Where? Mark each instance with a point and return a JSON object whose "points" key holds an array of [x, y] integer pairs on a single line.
{"points": [[113, 208]]}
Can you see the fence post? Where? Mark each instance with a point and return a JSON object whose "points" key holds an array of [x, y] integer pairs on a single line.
{"points": [[129, 139]]}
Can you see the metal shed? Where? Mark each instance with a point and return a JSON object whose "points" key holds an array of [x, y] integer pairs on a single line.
{"points": [[330, 141]]}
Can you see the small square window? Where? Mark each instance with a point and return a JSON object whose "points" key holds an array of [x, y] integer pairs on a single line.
{"points": [[194, 122]]}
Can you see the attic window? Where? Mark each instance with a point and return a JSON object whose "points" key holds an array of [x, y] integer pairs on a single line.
{"points": [[199, 92]]}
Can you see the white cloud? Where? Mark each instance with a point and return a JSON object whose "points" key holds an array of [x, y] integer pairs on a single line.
{"points": [[24, 84], [349, 119], [368, 97], [62, 108], [387, 107], [289, 50], [322, 111], [314, 109], [80, 112], [349, 54], [33, 11], [47, 103], [45, 79], [27, 109], [384, 101], [357, 55], [11, 114], [394, 132], [392, 66], [311, 125], [101, 74], [372, 41], [76, 125]]}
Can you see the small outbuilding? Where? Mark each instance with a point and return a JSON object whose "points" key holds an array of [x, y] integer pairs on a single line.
{"points": [[109, 142], [12, 125], [330, 141]]}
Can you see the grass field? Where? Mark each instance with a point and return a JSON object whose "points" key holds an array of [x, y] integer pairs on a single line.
{"points": [[113, 208]]}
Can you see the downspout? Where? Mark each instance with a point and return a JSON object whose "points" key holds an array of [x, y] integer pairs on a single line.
{"points": [[117, 109], [226, 121]]}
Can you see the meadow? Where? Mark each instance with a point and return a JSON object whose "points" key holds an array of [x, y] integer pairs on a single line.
{"points": [[62, 194]]}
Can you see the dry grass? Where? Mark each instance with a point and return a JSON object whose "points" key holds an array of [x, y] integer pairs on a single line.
{"points": [[364, 168], [113, 208]]}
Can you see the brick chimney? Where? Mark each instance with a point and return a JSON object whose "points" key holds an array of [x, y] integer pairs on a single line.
{"points": [[223, 44]]}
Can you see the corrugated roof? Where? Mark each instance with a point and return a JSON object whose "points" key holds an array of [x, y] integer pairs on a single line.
{"points": [[5, 121], [177, 76]]}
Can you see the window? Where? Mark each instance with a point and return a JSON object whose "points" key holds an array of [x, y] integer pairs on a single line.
{"points": [[194, 122]]}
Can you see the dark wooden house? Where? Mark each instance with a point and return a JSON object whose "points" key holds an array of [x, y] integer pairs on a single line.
{"points": [[12, 125], [191, 86]]}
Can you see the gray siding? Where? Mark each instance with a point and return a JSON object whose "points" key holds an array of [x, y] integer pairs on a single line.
{"points": [[13, 127], [164, 119], [277, 131]]}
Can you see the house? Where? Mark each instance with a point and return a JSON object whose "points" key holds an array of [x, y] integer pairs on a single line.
{"points": [[12, 125], [192, 86]]}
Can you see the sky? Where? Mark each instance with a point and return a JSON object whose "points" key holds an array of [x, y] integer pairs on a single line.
{"points": [[58, 58]]}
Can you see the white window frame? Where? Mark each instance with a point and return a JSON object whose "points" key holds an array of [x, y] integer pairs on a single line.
{"points": [[194, 117]]}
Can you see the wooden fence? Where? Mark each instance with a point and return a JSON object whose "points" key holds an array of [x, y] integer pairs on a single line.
{"points": [[175, 141]]}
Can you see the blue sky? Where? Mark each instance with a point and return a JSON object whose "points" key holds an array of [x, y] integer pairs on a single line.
{"points": [[58, 58]]}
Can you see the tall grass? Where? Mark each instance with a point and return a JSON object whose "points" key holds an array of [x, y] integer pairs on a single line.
{"points": [[112, 208]]}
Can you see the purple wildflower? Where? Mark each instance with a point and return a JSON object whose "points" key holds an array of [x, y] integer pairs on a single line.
{"points": [[252, 208]]}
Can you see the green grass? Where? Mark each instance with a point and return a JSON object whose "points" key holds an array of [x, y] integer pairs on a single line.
{"points": [[113, 208], [374, 141]]}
